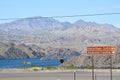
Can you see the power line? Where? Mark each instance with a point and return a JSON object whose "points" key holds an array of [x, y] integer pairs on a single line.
{"points": [[86, 15], [83, 15]]}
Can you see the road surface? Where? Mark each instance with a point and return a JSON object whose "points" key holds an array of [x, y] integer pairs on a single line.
{"points": [[58, 76]]}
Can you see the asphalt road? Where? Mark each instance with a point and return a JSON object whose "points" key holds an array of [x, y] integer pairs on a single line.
{"points": [[58, 76]]}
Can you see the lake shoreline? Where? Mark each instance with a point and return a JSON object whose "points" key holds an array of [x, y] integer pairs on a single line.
{"points": [[58, 70]]}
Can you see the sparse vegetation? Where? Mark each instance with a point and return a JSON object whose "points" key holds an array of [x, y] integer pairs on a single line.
{"points": [[70, 67], [51, 68]]}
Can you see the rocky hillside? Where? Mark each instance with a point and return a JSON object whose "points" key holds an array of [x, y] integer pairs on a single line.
{"points": [[100, 61], [16, 51]]}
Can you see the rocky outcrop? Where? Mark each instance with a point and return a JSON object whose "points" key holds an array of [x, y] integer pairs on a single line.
{"points": [[38, 54], [14, 53], [1, 57], [100, 61]]}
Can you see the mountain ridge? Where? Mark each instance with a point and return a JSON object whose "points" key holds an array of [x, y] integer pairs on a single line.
{"points": [[37, 23], [49, 32]]}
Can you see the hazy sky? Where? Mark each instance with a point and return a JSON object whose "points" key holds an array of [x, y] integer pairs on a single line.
{"points": [[48, 8]]}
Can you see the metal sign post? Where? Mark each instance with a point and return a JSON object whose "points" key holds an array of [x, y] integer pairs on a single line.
{"points": [[92, 68], [111, 66]]}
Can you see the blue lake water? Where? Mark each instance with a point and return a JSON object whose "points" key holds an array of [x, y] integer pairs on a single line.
{"points": [[18, 63]]}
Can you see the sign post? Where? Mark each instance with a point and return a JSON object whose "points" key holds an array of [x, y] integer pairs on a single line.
{"points": [[92, 67], [101, 50], [111, 66]]}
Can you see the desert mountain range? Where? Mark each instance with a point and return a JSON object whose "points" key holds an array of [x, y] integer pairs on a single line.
{"points": [[39, 36]]}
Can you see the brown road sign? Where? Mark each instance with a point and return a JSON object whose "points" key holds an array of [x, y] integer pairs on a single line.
{"points": [[101, 50]]}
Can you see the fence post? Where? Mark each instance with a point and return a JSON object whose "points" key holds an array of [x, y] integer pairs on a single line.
{"points": [[74, 75], [92, 67], [95, 77]]}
